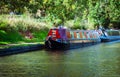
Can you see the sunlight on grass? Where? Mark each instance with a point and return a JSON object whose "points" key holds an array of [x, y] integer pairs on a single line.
{"points": [[14, 29]]}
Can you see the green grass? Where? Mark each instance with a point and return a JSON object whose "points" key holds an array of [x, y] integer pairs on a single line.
{"points": [[4, 43], [10, 29], [9, 37]]}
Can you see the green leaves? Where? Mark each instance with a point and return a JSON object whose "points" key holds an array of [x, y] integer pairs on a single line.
{"points": [[95, 11]]}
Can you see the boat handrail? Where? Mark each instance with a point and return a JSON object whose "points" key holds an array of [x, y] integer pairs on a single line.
{"points": [[85, 39]]}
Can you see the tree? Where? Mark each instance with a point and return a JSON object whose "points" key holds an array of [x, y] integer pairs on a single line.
{"points": [[14, 5]]}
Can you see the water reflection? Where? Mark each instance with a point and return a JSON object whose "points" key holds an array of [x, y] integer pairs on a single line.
{"points": [[102, 60]]}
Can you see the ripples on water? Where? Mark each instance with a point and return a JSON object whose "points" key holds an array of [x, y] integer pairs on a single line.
{"points": [[102, 60]]}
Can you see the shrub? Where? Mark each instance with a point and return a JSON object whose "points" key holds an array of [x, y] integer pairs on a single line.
{"points": [[3, 25], [10, 36]]}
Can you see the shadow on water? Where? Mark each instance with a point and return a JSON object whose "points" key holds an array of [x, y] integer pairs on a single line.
{"points": [[9, 53]]}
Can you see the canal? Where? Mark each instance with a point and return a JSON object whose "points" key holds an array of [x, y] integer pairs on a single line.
{"points": [[101, 60]]}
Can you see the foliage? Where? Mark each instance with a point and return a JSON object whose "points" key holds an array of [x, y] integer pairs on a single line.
{"points": [[15, 37], [22, 23], [18, 27], [40, 35], [9, 36], [3, 24], [104, 12], [16, 6], [101, 12], [37, 16]]}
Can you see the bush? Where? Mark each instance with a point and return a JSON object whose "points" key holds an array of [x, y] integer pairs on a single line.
{"points": [[20, 26], [13, 30], [10, 36], [3, 25]]}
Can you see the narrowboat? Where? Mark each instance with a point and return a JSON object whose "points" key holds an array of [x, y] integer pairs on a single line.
{"points": [[63, 38], [110, 35]]}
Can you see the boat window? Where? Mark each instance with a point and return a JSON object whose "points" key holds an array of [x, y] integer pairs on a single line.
{"points": [[97, 35], [94, 36], [91, 35], [83, 34], [113, 32], [72, 34], [78, 36]]}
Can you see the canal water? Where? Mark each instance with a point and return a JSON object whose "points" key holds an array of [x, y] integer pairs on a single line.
{"points": [[101, 60]]}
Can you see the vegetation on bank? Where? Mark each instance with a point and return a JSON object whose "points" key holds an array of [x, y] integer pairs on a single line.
{"points": [[30, 20], [8, 37], [21, 29]]}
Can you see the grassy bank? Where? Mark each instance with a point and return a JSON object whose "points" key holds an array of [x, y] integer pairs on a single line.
{"points": [[20, 29], [24, 28], [8, 37]]}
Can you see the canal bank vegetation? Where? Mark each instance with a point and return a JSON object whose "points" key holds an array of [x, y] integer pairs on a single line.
{"points": [[32, 21]]}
